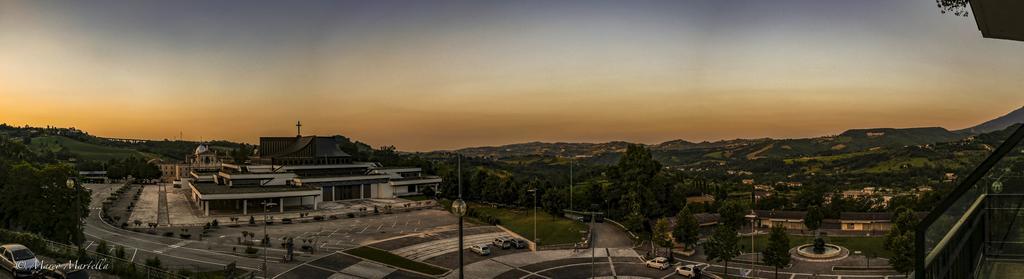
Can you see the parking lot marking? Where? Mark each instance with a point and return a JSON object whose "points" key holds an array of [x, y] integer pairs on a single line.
{"points": [[364, 229], [393, 224], [610, 264], [133, 255], [380, 226], [90, 245]]}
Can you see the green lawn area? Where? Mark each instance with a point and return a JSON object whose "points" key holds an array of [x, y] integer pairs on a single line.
{"points": [[550, 229], [86, 151], [828, 158], [895, 164], [416, 198], [388, 258], [866, 245]]}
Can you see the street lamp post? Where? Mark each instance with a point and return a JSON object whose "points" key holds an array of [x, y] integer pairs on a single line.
{"points": [[570, 183], [459, 208], [78, 208], [535, 244], [266, 248], [752, 217]]}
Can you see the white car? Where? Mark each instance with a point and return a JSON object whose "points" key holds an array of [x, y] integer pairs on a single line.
{"points": [[659, 263], [687, 270], [482, 249], [19, 260]]}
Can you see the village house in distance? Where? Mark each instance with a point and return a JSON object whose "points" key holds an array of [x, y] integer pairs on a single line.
{"points": [[292, 173]]}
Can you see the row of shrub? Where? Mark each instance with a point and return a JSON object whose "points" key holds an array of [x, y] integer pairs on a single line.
{"points": [[483, 217]]}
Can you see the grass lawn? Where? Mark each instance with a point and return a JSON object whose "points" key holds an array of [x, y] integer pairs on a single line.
{"points": [[388, 258], [87, 151], [550, 229], [866, 245], [416, 198]]}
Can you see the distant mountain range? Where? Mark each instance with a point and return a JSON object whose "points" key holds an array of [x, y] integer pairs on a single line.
{"points": [[682, 151], [1014, 117]]}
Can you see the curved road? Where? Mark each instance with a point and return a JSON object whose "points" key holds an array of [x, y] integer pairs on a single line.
{"points": [[608, 235]]}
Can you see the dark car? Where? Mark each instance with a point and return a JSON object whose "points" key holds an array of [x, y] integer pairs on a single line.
{"points": [[519, 243], [64, 274]]}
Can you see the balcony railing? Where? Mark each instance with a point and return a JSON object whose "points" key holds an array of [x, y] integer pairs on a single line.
{"points": [[980, 220]]}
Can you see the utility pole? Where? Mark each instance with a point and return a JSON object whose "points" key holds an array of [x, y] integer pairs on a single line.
{"points": [[535, 244], [570, 183], [266, 248]]}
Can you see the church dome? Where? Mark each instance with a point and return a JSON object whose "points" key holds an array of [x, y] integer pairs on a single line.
{"points": [[202, 148]]}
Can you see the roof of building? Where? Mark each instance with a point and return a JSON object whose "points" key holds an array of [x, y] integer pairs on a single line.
{"points": [[866, 216], [780, 214], [705, 218], [212, 188], [999, 19], [272, 147]]}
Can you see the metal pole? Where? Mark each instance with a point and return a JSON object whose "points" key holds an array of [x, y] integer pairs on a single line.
{"points": [[535, 244], [78, 214], [461, 262], [592, 232], [570, 183], [265, 248]]}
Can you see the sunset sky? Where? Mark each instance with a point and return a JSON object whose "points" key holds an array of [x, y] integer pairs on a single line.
{"points": [[426, 75]]}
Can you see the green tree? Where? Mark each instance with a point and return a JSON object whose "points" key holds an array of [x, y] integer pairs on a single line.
{"points": [[777, 252], [722, 246], [732, 215], [900, 240], [25, 186], [813, 218], [687, 229], [902, 248], [661, 235], [636, 172]]}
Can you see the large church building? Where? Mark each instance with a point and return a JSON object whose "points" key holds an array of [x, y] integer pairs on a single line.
{"points": [[296, 173]]}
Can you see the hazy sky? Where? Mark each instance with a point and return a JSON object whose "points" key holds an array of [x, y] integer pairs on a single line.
{"points": [[424, 75]]}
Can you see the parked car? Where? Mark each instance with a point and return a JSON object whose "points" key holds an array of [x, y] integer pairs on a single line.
{"points": [[64, 274], [658, 263], [481, 249], [19, 260], [502, 242], [520, 243], [689, 270]]}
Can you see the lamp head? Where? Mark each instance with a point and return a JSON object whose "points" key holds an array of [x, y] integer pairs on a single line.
{"points": [[459, 207]]}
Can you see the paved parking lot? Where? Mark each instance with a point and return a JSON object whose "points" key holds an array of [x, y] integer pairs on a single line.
{"points": [[345, 233], [340, 265]]}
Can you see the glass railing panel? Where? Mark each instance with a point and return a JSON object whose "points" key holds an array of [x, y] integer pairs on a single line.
{"points": [[1006, 207], [951, 217]]}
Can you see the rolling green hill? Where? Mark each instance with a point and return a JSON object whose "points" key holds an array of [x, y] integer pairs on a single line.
{"points": [[87, 151]]}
